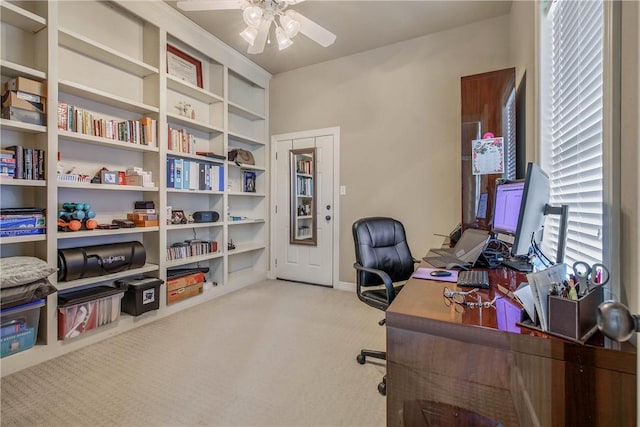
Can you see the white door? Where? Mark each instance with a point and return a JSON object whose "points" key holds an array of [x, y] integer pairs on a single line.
{"points": [[305, 263]]}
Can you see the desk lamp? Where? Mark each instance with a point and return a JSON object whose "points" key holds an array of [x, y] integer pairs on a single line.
{"points": [[616, 321]]}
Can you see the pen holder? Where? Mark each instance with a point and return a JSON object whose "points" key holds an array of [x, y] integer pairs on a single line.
{"points": [[574, 319]]}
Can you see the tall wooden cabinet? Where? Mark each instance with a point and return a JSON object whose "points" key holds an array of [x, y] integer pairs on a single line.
{"points": [[109, 58]]}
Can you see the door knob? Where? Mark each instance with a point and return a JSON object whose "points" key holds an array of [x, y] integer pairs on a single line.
{"points": [[328, 217]]}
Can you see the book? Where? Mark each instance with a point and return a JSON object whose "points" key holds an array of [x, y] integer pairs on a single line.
{"points": [[19, 156], [177, 180], [186, 173], [170, 171], [194, 175]]}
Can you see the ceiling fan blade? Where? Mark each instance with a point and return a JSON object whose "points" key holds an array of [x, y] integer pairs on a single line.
{"points": [[261, 38], [312, 30], [189, 5]]}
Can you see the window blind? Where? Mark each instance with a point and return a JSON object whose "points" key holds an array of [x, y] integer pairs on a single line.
{"points": [[575, 157]]}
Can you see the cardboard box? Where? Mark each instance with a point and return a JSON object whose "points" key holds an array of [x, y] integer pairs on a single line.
{"points": [[574, 319], [184, 281], [181, 288], [26, 85], [25, 116], [24, 100], [21, 221], [184, 293]]}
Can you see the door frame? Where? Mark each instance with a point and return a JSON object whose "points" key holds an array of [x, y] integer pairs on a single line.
{"points": [[335, 132]]}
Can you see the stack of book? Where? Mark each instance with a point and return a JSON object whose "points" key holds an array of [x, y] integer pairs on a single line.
{"points": [[22, 222], [144, 214]]}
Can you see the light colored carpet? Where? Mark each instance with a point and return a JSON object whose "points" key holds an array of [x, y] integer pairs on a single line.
{"points": [[272, 354]]}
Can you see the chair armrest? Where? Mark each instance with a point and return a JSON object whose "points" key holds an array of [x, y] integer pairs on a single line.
{"points": [[386, 279]]}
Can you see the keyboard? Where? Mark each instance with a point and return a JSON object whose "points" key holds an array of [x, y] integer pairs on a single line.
{"points": [[474, 279], [518, 265]]}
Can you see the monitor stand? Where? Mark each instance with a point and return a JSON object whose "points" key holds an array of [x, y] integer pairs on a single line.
{"points": [[519, 264]]}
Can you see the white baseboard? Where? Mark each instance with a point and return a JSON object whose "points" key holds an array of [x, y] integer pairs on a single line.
{"points": [[345, 286]]}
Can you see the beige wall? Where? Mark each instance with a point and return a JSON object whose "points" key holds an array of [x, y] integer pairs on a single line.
{"points": [[398, 109]]}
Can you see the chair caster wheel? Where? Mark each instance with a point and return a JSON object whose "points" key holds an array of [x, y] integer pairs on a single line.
{"points": [[382, 388], [360, 358]]}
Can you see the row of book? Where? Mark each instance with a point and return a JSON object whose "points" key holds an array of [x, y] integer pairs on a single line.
{"points": [[303, 166], [74, 119], [194, 175], [304, 186], [191, 249], [17, 162], [182, 141]]}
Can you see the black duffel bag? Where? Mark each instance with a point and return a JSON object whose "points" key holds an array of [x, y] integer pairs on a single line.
{"points": [[98, 260]]}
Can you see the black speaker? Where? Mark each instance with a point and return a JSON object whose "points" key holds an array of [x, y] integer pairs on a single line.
{"points": [[206, 216]]}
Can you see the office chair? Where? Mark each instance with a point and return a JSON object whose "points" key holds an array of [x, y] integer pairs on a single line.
{"points": [[382, 258]]}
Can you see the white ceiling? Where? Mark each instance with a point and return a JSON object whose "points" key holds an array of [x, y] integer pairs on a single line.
{"points": [[359, 26]]}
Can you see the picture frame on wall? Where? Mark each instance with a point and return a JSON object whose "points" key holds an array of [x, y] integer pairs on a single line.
{"points": [[184, 66]]}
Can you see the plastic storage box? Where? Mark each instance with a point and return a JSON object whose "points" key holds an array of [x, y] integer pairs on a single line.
{"points": [[142, 294], [87, 309], [19, 327]]}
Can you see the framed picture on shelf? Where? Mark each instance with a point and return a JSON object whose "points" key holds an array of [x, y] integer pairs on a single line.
{"points": [[184, 66], [178, 217], [249, 182]]}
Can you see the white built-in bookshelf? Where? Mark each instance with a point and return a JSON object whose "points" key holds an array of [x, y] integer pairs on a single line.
{"points": [[115, 68]]}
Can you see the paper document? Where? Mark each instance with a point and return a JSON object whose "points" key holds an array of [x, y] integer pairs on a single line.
{"points": [[541, 283]]}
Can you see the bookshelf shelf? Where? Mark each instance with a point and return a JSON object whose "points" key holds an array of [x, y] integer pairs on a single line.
{"points": [[246, 167], [100, 52], [244, 112], [245, 194], [192, 91], [21, 18], [247, 221], [194, 157], [105, 98], [193, 124], [107, 277], [244, 139], [12, 69], [23, 182], [203, 192], [23, 239], [194, 225], [107, 187], [98, 233], [246, 247], [22, 127], [193, 259], [97, 140]]}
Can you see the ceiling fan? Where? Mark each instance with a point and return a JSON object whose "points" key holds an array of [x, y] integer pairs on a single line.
{"points": [[259, 15]]}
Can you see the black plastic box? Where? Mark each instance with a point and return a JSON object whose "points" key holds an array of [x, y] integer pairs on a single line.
{"points": [[142, 294]]}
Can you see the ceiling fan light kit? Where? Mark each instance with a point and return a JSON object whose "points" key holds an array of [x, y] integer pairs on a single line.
{"points": [[260, 14]]}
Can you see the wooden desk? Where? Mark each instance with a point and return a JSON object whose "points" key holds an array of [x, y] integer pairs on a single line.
{"points": [[478, 360]]}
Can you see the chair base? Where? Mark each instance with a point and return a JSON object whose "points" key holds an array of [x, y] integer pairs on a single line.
{"points": [[362, 358]]}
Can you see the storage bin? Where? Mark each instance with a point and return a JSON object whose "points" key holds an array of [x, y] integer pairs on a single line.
{"points": [[19, 327], [142, 294], [574, 319], [87, 309]]}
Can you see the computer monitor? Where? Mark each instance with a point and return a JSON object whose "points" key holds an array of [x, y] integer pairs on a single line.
{"points": [[506, 209], [535, 198]]}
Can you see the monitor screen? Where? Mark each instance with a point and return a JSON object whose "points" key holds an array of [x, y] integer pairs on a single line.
{"points": [[535, 197], [507, 207]]}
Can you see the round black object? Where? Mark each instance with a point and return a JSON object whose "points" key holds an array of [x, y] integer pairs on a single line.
{"points": [[206, 216]]}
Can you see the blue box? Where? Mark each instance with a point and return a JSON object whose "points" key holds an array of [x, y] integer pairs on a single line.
{"points": [[19, 327]]}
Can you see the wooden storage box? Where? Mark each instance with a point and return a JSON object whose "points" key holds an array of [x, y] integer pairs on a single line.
{"points": [[180, 288]]}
